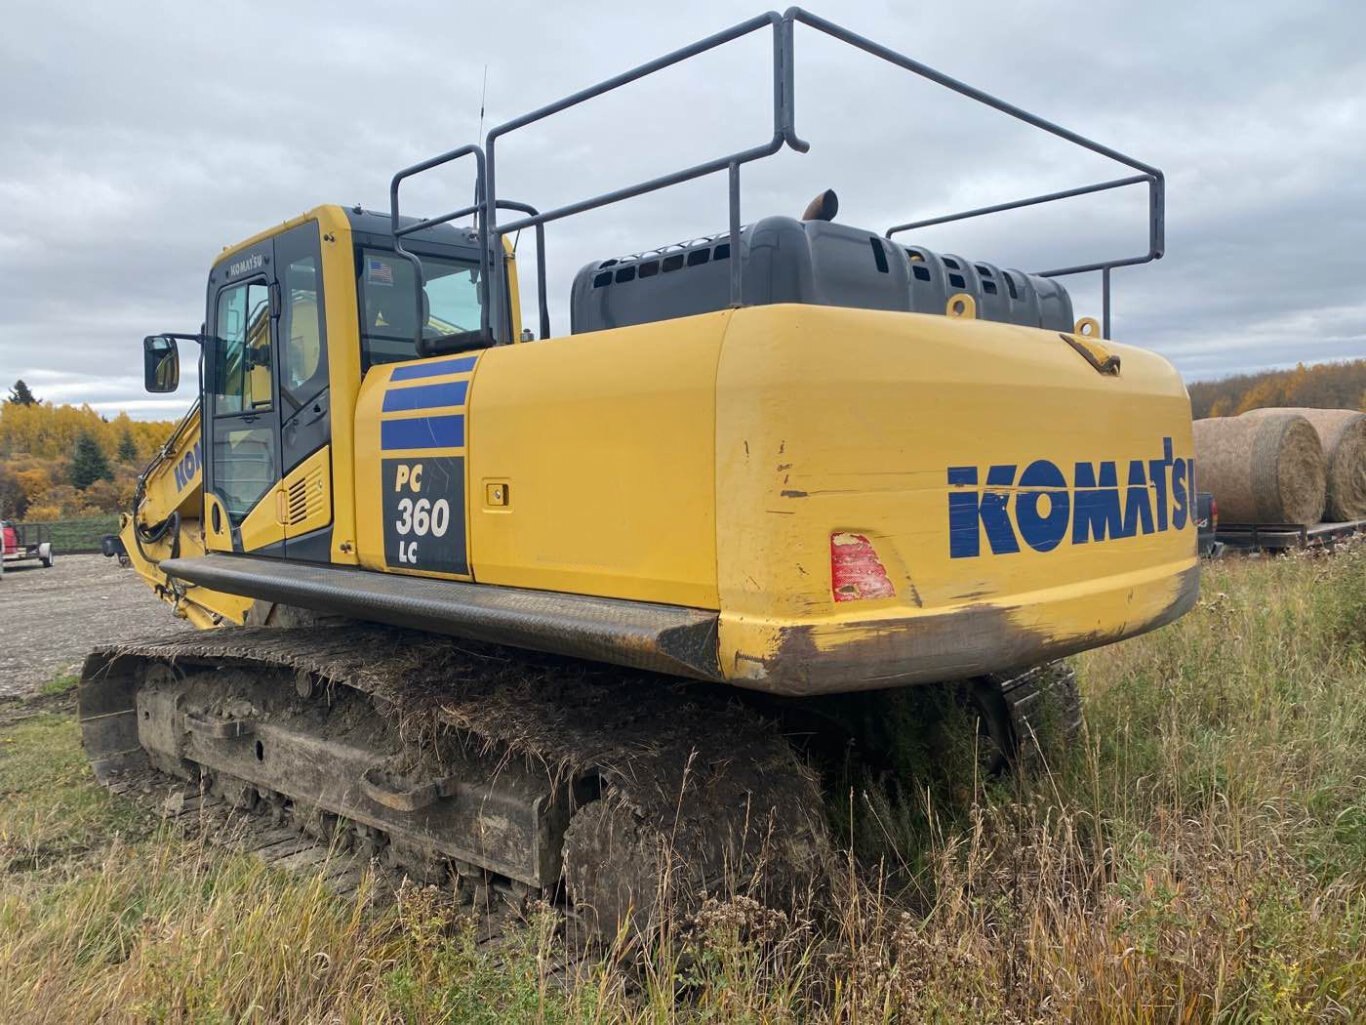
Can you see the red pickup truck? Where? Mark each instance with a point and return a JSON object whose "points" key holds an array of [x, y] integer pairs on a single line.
{"points": [[18, 543]]}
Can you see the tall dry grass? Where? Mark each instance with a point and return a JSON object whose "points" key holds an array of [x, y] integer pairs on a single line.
{"points": [[1200, 857]]}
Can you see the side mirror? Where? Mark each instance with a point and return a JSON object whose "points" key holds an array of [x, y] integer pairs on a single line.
{"points": [[161, 363]]}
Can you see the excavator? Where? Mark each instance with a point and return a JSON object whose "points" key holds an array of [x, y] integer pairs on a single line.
{"points": [[486, 601]]}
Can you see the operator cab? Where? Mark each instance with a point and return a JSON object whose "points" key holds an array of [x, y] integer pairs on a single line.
{"points": [[267, 369]]}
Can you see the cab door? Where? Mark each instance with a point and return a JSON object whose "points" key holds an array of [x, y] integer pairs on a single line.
{"points": [[268, 470], [305, 498], [242, 425]]}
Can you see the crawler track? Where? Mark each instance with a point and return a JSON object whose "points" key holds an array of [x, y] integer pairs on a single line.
{"points": [[286, 845], [1044, 707], [394, 741], [281, 845]]}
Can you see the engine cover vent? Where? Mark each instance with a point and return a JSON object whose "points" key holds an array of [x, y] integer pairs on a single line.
{"points": [[817, 262]]}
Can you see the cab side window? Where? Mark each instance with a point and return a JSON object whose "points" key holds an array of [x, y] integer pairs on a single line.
{"points": [[303, 357], [242, 378], [389, 313]]}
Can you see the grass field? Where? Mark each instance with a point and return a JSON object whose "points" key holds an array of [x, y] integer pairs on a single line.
{"points": [[1201, 857]]}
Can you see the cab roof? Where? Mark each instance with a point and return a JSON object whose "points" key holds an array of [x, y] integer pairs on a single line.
{"points": [[371, 223]]}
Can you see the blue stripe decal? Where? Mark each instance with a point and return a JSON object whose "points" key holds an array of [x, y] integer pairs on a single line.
{"points": [[446, 366], [425, 396], [422, 432]]}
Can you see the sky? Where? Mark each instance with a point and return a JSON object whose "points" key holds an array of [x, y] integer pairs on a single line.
{"points": [[137, 139]]}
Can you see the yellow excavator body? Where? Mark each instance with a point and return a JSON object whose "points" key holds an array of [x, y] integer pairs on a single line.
{"points": [[849, 498], [797, 458]]}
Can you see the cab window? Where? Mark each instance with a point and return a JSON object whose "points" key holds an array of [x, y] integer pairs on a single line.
{"points": [[242, 379], [389, 309], [303, 360], [245, 457]]}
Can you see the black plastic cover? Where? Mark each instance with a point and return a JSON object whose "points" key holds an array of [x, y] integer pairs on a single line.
{"points": [[815, 262]]}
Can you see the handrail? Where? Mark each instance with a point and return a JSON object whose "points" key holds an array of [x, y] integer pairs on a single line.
{"points": [[431, 222], [1154, 178], [542, 304], [477, 207], [784, 134]]}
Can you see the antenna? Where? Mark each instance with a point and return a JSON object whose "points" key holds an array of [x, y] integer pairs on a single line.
{"points": [[479, 138], [482, 94]]}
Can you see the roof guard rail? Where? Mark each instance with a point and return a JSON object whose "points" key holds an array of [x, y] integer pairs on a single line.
{"points": [[477, 208], [784, 134], [1157, 191], [431, 222], [542, 305]]}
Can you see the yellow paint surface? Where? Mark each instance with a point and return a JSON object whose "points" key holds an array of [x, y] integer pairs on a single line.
{"points": [[606, 444], [832, 420]]}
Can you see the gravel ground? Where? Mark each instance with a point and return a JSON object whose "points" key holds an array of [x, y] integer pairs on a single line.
{"points": [[50, 618]]}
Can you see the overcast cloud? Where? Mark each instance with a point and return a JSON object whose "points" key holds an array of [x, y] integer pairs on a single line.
{"points": [[138, 139]]}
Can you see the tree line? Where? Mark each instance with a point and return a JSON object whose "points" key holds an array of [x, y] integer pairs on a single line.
{"points": [[61, 462], [1339, 385]]}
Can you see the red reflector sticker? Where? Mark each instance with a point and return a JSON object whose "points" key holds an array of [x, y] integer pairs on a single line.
{"points": [[855, 570]]}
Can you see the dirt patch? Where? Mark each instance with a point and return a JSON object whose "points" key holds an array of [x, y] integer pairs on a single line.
{"points": [[15, 709], [50, 619]]}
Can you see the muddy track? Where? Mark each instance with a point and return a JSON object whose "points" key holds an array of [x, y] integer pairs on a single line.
{"points": [[284, 845], [690, 779], [348, 874]]}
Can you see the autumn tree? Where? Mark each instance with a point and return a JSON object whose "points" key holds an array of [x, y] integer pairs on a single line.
{"points": [[1268, 391], [59, 501], [1340, 385], [13, 501], [36, 482], [101, 497], [46, 431], [38, 446]]}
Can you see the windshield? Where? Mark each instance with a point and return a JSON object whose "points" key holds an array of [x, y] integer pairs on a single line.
{"points": [[388, 308]]}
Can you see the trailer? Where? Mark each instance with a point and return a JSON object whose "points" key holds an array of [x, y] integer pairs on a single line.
{"points": [[1207, 543], [1275, 537], [20, 542]]}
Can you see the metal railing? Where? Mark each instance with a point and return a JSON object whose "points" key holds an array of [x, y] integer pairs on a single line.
{"points": [[486, 259], [477, 207], [491, 232]]}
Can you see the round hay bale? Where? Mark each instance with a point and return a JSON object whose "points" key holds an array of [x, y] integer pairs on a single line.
{"points": [[1263, 469], [1342, 433]]}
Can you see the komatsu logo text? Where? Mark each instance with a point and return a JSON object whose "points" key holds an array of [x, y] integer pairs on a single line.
{"points": [[253, 262], [187, 469], [1039, 506]]}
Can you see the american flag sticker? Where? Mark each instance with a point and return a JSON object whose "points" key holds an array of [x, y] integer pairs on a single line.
{"points": [[378, 272]]}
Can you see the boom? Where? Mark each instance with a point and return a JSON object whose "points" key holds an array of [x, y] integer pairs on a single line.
{"points": [[165, 523]]}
